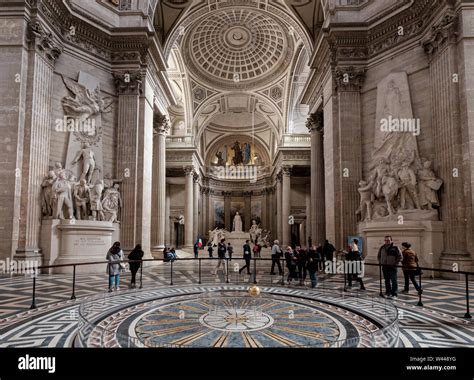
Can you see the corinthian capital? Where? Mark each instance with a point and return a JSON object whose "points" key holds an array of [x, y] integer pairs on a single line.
{"points": [[441, 33], [315, 122], [43, 42], [161, 124], [128, 83], [349, 78]]}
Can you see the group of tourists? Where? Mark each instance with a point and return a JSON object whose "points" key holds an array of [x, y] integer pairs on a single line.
{"points": [[299, 261]]}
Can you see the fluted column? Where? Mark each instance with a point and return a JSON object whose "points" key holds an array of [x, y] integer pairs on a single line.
{"points": [[317, 214], [129, 89], [308, 214], [227, 216], [349, 82], [42, 57], [167, 216], [161, 127], [196, 206], [286, 203], [441, 48], [189, 207], [247, 209], [279, 178]]}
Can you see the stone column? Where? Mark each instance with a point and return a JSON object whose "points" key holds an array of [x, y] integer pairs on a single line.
{"points": [[196, 230], [279, 178], [247, 210], [286, 203], [441, 48], [264, 216], [167, 216], [189, 207], [317, 215], [42, 56], [308, 214], [129, 89], [349, 145], [161, 127], [227, 217]]}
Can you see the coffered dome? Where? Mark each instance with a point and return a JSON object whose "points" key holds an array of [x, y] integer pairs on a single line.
{"points": [[235, 48]]}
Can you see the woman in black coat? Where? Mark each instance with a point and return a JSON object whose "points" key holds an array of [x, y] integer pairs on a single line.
{"points": [[136, 254]]}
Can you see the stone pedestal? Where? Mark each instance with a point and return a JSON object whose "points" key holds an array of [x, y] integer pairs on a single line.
{"points": [[82, 241], [50, 242], [237, 240], [426, 238]]}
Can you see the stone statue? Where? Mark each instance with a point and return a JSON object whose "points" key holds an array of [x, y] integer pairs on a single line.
{"points": [[238, 156], [88, 161], [47, 200], [366, 200], [407, 185], [62, 194], [109, 181], [246, 154], [112, 203], [224, 154], [237, 223], [95, 194], [255, 231], [428, 185], [81, 198], [85, 103], [216, 235], [58, 169], [220, 160]]}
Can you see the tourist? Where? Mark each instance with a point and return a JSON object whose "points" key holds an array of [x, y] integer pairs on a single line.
{"points": [[390, 256], [135, 255], [114, 267], [354, 270], [276, 255], [320, 256], [312, 266], [410, 267], [257, 248], [172, 254], [291, 264], [328, 251], [221, 250], [247, 257], [196, 249], [230, 251], [210, 250], [301, 259], [166, 252]]}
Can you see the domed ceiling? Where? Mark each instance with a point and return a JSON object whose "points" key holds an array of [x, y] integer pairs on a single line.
{"points": [[238, 47]]}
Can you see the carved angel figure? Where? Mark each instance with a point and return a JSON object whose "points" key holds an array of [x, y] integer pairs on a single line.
{"points": [[84, 103]]}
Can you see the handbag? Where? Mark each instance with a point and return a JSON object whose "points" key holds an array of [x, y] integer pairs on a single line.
{"points": [[122, 266]]}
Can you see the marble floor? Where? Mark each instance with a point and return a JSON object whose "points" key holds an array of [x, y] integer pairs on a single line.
{"points": [[54, 322]]}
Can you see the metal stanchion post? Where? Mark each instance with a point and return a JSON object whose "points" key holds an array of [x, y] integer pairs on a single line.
{"points": [[171, 281], [33, 303], [420, 303], [254, 270], [380, 280], [141, 275], [467, 315], [73, 296]]}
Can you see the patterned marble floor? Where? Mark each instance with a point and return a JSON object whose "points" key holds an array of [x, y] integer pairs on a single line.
{"points": [[439, 323]]}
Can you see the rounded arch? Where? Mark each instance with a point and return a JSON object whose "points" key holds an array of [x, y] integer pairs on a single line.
{"points": [[211, 107]]}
